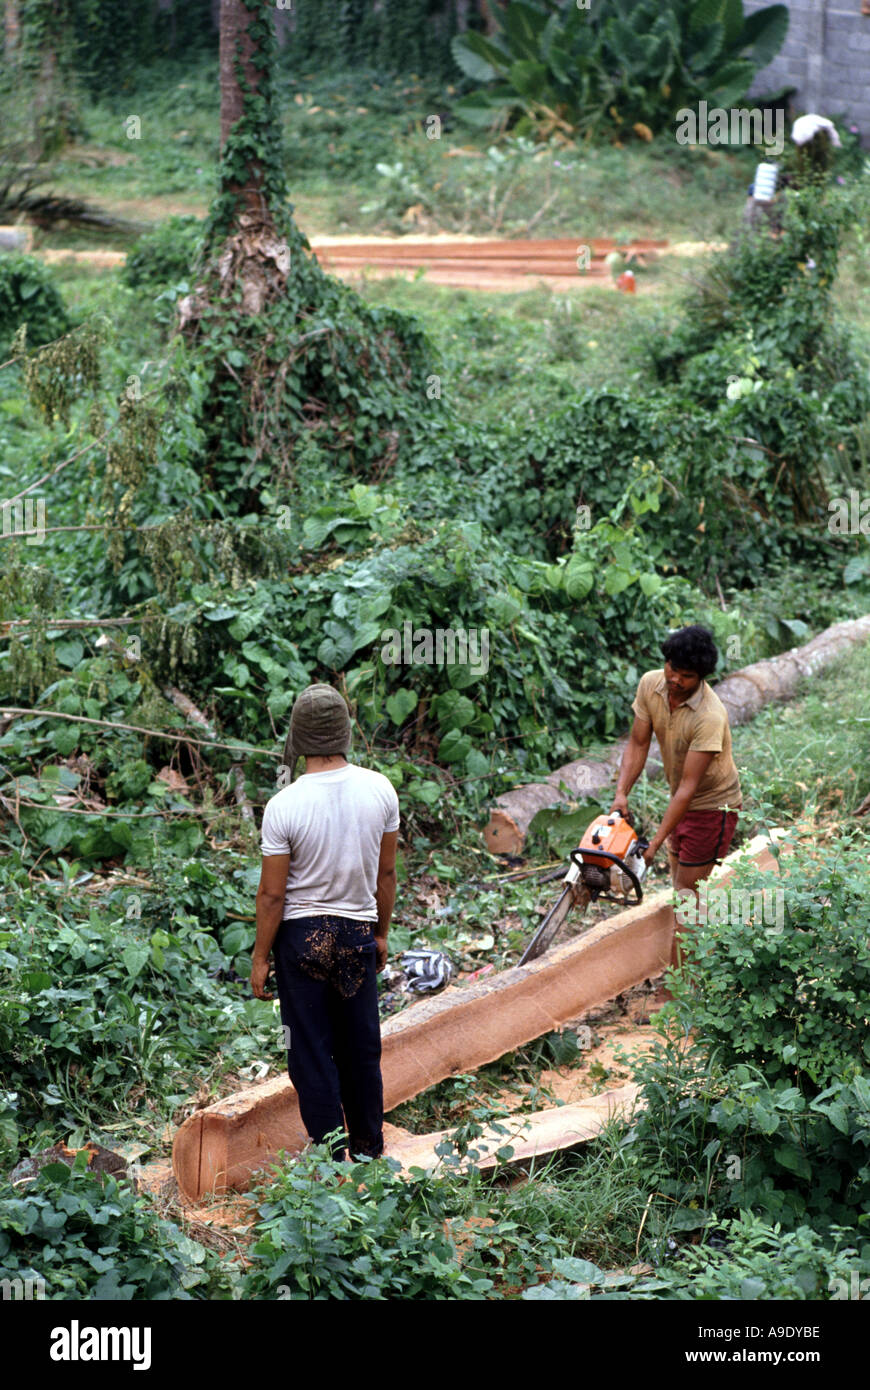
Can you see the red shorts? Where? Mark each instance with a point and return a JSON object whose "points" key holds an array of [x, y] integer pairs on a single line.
{"points": [[702, 837]]}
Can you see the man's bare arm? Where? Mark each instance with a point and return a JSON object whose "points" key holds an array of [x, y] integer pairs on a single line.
{"points": [[633, 761], [694, 767], [270, 910], [385, 892]]}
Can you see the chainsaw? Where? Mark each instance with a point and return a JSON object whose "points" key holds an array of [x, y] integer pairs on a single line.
{"points": [[608, 863]]}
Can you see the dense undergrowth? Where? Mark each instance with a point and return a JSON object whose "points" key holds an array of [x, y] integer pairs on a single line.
{"points": [[394, 485]]}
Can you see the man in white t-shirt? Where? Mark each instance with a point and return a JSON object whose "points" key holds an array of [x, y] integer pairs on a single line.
{"points": [[326, 895]]}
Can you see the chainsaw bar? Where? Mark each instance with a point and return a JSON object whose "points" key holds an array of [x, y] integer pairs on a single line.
{"points": [[552, 922]]}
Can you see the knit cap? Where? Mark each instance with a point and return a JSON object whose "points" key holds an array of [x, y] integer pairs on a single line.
{"points": [[319, 726]]}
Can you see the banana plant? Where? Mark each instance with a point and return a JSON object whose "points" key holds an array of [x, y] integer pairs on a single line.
{"points": [[555, 68], [542, 60]]}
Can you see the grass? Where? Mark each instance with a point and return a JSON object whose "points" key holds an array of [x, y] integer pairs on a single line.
{"points": [[811, 757], [339, 128], [518, 356], [587, 1199]]}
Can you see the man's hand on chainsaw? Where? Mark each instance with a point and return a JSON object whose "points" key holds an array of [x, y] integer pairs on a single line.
{"points": [[650, 853], [620, 803]]}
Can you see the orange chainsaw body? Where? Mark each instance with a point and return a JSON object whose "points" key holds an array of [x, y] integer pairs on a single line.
{"points": [[611, 833]]}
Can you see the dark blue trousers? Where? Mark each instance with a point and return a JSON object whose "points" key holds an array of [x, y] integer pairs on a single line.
{"points": [[326, 968]]}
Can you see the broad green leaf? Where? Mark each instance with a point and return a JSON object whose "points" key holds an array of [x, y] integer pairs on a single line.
{"points": [[69, 653], [401, 704], [454, 746], [454, 711], [793, 1160], [579, 1271], [650, 584], [135, 957]]}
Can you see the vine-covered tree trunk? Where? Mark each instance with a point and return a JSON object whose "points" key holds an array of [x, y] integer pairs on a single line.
{"points": [[237, 49], [245, 241], [45, 41], [11, 30], [255, 256], [288, 354]]}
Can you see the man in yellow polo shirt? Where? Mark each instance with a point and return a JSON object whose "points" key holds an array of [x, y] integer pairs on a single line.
{"points": [[691, 726]]}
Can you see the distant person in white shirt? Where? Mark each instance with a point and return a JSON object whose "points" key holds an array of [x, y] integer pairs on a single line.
{"points": [[326, 895]]}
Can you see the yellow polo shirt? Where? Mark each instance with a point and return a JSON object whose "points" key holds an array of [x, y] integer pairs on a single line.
{"points": [[699, 724]]}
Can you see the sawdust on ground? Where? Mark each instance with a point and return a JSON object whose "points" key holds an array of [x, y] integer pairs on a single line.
{"points": [[616, 1028]]}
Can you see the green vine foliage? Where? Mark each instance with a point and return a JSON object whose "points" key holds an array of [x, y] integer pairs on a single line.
{"points": [[252, 154], [29, 296], [46, 63], [392, 36], [763, 321], [64, 371], [28, 593]]}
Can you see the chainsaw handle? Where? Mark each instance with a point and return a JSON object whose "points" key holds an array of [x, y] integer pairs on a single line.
{"points": [[576, 857]]}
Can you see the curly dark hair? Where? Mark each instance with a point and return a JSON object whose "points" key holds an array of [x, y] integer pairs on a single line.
{"points": [[691, 649]]}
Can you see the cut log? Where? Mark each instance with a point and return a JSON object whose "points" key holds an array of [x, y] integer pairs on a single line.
{"points": [[746, 692], [743, 694], [514, 811], [459, 1030], [530, 1136]]}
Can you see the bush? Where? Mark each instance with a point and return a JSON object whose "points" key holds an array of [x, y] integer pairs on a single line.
{"points": [[759, 1261], [768, 1106], [114, 1003], [618, 65], [783, 983], [758, 345], [164, 256], [29, 296], [92, 1237], [714, 1140], [366, 1230]]}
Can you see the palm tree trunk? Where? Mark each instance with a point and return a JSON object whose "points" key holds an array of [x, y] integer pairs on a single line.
{"points": [[11, 30], [249, 250], [236, 45]]}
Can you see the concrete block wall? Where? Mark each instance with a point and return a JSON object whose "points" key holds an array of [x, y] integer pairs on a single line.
{"points": [[826, 56]]}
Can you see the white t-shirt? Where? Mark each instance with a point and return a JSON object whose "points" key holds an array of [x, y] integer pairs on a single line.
{"points": [[331, 824]]}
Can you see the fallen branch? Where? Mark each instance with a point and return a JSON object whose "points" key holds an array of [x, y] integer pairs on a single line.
{"points": [[153, 391], [46, 530], [63, 464], [68, 622], [47, 209], [158, 811], [15, 712]]}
